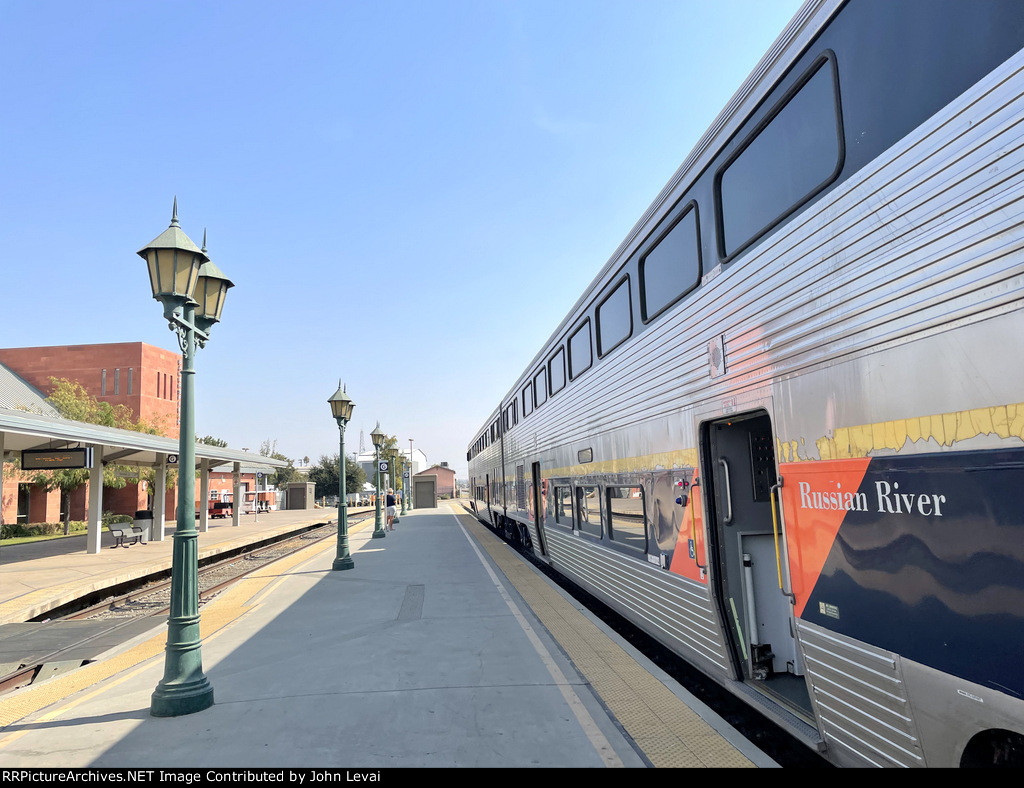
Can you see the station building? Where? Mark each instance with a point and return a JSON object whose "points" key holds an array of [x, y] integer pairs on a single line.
{"points": [[143, 378]]}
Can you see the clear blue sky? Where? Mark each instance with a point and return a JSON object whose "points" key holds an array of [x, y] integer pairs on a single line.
{"points": [[408, 195]]}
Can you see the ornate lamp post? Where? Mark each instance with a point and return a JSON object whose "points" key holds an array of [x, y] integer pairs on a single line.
{"points": [[410, 474], [378, 440], [192, 290], [405, 483], [341, 409]]}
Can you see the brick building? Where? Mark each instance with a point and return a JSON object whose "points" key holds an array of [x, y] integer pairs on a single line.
{"points": [[143, 378], [445, 477]]}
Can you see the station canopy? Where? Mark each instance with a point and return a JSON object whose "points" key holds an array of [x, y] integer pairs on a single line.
{"points": [[21, 430]]}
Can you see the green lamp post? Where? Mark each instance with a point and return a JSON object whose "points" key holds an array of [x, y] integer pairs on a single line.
{"points": [[410, 474], [192, 291], [405, 484], [378, 440], [341, 409]]}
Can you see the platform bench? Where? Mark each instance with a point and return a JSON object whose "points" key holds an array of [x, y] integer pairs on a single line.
{"points": [[126, 532]]}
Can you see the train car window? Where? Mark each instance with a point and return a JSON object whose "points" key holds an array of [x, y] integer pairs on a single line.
{"points": [[556, 371], [581, 350], [563, 506], [540, 387], [614, 319], [788, 158], [627, 517], [527, 400], [588, 510], [672, 268]]}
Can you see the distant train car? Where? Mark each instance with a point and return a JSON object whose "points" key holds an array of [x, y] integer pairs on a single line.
{"points": [[783, 429]]}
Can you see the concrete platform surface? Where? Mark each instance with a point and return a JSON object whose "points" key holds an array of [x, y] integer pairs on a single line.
{"points": [[425, 654]]}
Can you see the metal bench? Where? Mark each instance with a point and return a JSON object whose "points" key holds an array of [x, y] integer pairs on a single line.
{"points": [[127, 531]]}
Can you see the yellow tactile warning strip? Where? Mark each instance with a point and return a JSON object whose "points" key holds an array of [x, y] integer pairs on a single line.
{"points": [[667, 731], [227, 607]]}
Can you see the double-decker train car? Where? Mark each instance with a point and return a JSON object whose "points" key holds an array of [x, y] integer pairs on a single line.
{"points": [[782, 430]]}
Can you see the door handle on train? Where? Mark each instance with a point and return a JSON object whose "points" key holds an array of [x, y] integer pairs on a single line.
{"points": [[785, 550], [695, 496], [728, 492]]}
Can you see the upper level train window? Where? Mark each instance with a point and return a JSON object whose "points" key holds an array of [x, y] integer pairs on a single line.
{"points": [[527, 400], [614, 319], [581, 350], [671, 269], [556, 371], [789, 157], [626, 517], [540, 387]]}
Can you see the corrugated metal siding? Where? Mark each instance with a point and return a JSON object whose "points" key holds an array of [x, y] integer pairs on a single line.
{"points": [[861, 699], [926, 238], [667, 605]]}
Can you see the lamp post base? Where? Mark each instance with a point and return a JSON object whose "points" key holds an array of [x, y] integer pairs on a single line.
{"points": [[379, 534], [180, 699], [343, 563]]}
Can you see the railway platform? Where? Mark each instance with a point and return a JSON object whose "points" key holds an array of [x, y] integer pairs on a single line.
{"points": [[442, 647], [37, 577]]}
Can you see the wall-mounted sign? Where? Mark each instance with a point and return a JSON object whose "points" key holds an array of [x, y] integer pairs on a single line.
{"points": [[172, 459], [55, 459]]}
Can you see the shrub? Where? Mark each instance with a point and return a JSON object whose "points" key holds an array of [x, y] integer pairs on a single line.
{"points": [[23, 530]]}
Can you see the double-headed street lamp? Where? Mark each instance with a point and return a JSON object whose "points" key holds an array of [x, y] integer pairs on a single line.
{"points": [[378, 441], [192, 290], [341, 409]]}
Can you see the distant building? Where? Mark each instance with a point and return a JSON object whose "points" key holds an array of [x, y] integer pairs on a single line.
{"points": [[367, 461], [445, 477]]}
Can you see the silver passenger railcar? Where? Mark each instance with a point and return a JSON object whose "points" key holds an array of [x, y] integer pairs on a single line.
{"points": [[783, 429]]}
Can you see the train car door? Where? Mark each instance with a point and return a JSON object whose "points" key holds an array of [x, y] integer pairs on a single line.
{"points": [[739, 461], [540, 503]]}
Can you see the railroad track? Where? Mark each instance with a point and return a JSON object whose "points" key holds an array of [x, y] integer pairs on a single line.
{"points": [[150, 599]]}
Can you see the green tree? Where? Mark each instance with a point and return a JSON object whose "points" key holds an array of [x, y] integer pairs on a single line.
{"points": [[283, 475], [209, 440], [324, 474], [72, 401]]}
